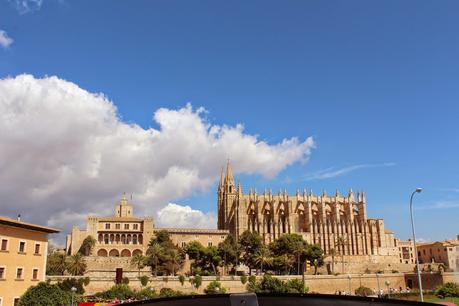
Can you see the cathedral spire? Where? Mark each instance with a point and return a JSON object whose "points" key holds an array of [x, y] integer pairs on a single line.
{"points": [[229, 178]]}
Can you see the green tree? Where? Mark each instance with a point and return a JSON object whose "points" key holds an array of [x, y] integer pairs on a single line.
{"points": [[250, 243], [87, 246], [206, 259], [154, 252], [45, 294], [263, 257], [56, 264], [174, 260], [215, 287], [341, 243], [76, 264], [169, 258], [229, 251], [138, 261], [315, 254], [283, 263], [291, 245], [333, 254]]}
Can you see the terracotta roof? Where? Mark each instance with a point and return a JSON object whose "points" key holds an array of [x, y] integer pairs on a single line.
{"points": [[30, 226]]}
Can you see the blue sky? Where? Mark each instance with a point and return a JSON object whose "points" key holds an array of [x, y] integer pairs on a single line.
{"points": [[376, 84]]}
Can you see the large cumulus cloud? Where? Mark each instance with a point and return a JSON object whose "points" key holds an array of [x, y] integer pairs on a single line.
{"points": [[65, 153]]}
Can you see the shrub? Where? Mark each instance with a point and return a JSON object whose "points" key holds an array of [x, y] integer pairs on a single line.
{"points": [[125, 280], [295, 286], [252, 279], [363, 291], [45, 294], [68, 283], [143, 280], [181, 279], [243, 279], [146, 293], [214, 287], [86, 281], [270, 284], [395, 271], [168, 292], [448, 290], [196, 281], [121, 292]]}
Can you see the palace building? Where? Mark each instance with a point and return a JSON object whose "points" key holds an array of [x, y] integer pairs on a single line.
{"points": [[336, 222], [124, 235]]}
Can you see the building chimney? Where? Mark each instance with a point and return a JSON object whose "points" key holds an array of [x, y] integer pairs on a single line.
{"points": [[19, 217]]}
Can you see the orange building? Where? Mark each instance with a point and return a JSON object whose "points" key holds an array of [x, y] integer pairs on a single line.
{"points": [[23, 252]]}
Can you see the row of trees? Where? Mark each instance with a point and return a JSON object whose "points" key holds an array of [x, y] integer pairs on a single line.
{"points": [[60, 264], [285, 255]]}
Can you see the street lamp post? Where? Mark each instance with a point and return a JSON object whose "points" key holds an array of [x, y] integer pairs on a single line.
{"points": [[350, 290], [418, 190], [379, 288], [388, 289], [73, 289]]}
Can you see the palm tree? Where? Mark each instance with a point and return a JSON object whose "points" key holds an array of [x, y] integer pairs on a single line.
{"points": [[76, 264], [174, 258], [298, 250], [138, 260], [263, 257], [287, 262], [154, 252], [333, 254], [340, 243]]}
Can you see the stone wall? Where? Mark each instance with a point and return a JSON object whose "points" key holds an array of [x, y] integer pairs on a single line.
{"points": [[315, 283]]}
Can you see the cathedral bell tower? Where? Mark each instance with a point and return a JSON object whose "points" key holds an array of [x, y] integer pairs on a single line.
{"points": [[227, 194]]}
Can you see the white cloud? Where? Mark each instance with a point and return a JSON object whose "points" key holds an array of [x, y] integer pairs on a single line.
{"points": [[5, 40], [66, 153], [174, 215], [440, 205], [26, 6], [332, 172]]}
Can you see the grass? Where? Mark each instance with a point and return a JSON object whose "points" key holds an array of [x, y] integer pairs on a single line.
{"points": [[435, 299], [431, 299]]}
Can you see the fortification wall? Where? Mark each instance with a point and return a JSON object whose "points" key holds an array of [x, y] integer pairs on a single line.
{"points": [[315, 283]]}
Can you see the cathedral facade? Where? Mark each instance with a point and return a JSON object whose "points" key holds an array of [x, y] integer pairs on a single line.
{"points": [[336, 222]]}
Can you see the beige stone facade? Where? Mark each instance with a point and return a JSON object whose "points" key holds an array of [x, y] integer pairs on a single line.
{"points": [[121, 235], [445, 252], [405, 251], [321, 219], [207, 237], [23, 252], [124, 235]]}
